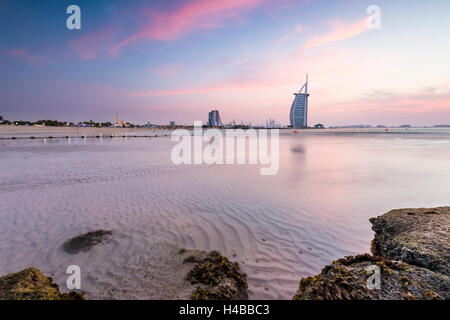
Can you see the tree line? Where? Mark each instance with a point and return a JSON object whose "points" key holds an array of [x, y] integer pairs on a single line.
{"points": [[54, 123]]}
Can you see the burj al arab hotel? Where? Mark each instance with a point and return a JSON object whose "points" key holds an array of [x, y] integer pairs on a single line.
{"points": [[299, 109]]}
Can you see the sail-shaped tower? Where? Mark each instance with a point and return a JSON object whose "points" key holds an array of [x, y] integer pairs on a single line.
{"points": [[299, 109]]}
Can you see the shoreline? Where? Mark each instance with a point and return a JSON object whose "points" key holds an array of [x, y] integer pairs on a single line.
{"points": [[9, 130], [27, 130]]}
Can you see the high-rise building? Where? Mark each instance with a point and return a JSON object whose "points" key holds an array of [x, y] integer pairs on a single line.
{"points": [[299, 109], [214, 119], [271, 124]]}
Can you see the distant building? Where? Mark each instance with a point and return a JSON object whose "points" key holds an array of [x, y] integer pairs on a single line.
{"points": [[271, 124], [299, 109], [172, 123], [149, 125], [118, 124], [214, 119]]}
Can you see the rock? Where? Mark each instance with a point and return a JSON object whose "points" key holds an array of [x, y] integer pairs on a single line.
{"points": [[411, 249], [217, 278], [86, 241], [31, 284], [420, 237], [346, 279]]}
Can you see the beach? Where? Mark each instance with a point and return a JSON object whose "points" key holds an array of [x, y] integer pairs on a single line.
{"points": [[24, 131], [278, 228]]}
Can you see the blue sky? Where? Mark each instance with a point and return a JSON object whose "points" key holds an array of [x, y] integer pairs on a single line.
{"points": [[175, 60]]}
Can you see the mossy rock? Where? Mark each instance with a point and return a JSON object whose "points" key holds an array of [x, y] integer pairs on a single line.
{"points": [[346, 279], [31, 284], [85, 242], [217, 278]]}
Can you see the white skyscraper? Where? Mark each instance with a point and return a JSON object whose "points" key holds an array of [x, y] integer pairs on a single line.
{"points": [[299, 109]]}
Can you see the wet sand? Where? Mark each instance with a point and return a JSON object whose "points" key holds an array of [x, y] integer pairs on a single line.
{"points": [[23, 131], [279, 228]]}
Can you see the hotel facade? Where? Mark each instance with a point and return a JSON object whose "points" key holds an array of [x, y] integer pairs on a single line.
{"points": [[214, 119], [299, 109]]}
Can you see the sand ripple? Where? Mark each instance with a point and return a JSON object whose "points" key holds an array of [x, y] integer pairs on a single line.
{"points": [[278, 228]]}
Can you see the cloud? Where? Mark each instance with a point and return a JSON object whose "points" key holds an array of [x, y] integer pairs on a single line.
{"points": [[299, 28], [423, 100], [90, 46], [419, 107], [191, 16], [336, 90], [339, 31], [177, 92], [30, 59]]}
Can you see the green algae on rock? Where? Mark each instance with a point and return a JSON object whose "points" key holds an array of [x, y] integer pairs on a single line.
{"points": [[85, 242], [31, 284], [217, 278]]}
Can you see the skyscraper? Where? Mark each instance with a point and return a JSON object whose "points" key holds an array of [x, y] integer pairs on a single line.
{"points": [[214, 119], [299, 109]]}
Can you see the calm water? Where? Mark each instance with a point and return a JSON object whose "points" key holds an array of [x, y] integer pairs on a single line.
{"points": [[279, 228]]}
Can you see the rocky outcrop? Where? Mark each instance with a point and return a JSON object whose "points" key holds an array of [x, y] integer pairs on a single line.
{"points": [[347, 278], [216, 277], [411, 252], [31, 284], [419, 237], [85, 242]]}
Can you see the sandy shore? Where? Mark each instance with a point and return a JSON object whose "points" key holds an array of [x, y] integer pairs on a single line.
{"points": [[9, 130], [165, 272], [279, 228]]}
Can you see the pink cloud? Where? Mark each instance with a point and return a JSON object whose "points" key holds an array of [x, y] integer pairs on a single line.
{"points": [[30, 59], [177, 92], [229, 86], [336, 89], [339, 31], [91, 45], [299, 28], [421, 108], [425, 100], [194, 15]]}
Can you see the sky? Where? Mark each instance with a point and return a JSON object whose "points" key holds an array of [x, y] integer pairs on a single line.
{"points": [[161, 61]]}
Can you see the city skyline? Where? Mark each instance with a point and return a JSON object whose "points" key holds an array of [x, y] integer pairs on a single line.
{"points": [[164, 62]]}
